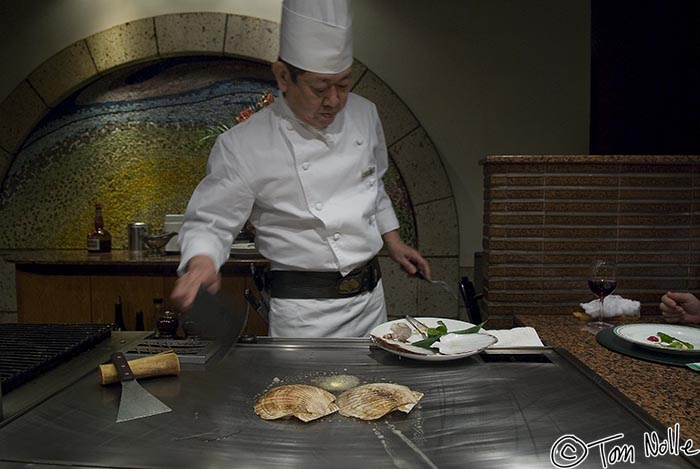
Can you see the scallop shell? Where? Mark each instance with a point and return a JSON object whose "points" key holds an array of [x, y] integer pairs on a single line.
{"points": [[397, 346], [375, 400], [399, 331], [295, 400]]}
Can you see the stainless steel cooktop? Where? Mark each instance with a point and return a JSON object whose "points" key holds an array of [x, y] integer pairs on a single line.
{"points": [[505, 409]]}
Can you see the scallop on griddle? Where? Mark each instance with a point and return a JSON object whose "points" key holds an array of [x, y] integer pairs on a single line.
{"points": [[375, 400], [295, 400]]}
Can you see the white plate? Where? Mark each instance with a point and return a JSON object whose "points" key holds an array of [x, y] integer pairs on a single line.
{"points": [[638, 333], [481, 340]]}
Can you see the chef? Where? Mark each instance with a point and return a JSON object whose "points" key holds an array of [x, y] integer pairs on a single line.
{"points": [[307, 172]]}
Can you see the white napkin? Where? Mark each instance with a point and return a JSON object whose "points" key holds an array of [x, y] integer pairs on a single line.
{"points": [[614, 305], [516, 337]]}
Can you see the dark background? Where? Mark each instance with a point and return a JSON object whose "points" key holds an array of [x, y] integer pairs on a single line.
{"points": [[645, 77]]}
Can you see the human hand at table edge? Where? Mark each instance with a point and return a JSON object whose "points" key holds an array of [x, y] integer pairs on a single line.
{"points": [[680, 307], [408, 258], [201, 272]]}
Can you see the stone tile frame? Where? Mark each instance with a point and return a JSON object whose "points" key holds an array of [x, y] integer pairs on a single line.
{"points": [[257, 39]]}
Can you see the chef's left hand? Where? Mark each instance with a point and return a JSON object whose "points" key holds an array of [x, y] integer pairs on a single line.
{"points": [[408, 258]]}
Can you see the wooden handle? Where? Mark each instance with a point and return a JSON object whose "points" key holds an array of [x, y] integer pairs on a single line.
{"points": [[162, 364], [122, 366]]}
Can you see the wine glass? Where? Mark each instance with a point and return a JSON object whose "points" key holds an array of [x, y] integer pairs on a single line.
{"points": [[602, 282]]}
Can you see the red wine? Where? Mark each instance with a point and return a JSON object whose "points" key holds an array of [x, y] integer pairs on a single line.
{"points": [[602, 288]]}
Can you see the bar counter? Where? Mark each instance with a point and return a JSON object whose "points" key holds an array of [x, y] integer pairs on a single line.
{"points": [[74, 286], [239, 260], [670, 394]]}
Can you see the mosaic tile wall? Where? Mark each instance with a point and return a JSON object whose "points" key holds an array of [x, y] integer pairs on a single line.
{"points": [[135, 141]]}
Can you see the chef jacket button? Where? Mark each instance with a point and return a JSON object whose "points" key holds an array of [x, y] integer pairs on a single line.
{"points": [[305, 166], [290, 127], [336, 236], [359, 142], [319, 206]]}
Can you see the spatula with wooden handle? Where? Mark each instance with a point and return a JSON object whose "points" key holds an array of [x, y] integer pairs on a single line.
{"points": [[135, 401], [160, 364]]}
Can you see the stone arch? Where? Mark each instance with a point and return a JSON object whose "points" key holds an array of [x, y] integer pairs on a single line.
{"points": [[256, 39]]}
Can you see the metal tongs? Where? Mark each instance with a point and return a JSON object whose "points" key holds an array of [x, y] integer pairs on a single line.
{"points": [[421, 275], [418, 326]]}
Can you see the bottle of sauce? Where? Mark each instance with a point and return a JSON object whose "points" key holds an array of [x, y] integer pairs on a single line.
{"points": [[99, 239]]}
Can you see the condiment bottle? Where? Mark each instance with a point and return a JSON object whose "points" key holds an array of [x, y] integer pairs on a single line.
{"points": [[167, 325], [139, 321], [118, 316], [99, 239], [157, 313]]}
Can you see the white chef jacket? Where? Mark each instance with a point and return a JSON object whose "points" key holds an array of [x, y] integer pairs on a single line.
{"points": [[315, 197]]}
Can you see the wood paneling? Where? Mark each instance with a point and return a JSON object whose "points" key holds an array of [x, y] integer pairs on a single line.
{"points": [[49, 295], [137, 293], [63, 299]]}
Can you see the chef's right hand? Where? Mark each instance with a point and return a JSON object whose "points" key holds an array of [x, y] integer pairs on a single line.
{"points": [[201, 272], [680, 307]]}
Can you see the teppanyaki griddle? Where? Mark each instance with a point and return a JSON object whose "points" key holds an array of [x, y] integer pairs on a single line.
{"points": [[499, 410]]}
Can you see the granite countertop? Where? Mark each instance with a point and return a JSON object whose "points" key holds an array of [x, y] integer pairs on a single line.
{"points": [[588, 159], [78, 261], [670, 394]]}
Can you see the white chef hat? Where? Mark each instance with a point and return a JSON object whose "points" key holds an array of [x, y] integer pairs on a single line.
{"points": [[316, 35]]}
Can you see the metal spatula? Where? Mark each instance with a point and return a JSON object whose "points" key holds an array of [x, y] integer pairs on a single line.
{"points": [[135, 402]]}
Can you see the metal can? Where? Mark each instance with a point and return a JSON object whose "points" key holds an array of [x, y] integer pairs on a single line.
{"points": [[137, 231]]}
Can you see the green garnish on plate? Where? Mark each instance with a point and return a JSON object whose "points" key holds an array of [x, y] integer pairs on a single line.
{"points": [[672, 342], [434, 334]]}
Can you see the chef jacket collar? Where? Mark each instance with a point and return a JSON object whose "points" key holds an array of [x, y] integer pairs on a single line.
{"points": [[329, 135]]}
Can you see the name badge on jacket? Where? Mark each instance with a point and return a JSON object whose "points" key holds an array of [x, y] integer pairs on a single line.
{"points": [[368, 172]]}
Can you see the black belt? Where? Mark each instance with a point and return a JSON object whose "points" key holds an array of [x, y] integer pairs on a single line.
{"points": [[322, 285]]}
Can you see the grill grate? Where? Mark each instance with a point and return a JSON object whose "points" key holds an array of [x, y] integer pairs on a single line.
{"points": [[187, 350], [28, 350]]}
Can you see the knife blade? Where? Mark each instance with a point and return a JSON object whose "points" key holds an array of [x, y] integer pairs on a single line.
{"points": [[260, 285], [215, 318], [258, 306], [257, 278]]}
